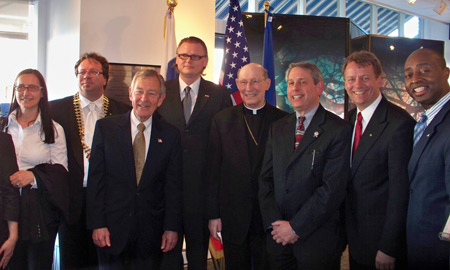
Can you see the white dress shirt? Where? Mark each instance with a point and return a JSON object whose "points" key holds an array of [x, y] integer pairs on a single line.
{"points": [[30, 147], [89, 135]]}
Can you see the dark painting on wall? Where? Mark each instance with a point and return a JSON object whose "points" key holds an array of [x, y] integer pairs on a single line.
{"points": [[392, 53], [323, 41]]}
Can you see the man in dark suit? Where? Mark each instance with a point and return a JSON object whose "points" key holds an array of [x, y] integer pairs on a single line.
{"points": [[74, 114], [304, 178], [377, 198], [134, 186], [426, 80], [237, 142], [9, 201], [190, 105]]}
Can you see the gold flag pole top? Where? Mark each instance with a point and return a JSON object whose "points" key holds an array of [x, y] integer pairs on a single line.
{"points": [[171, 4], [266, 7]]}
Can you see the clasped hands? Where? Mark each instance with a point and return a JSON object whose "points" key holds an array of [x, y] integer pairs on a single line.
{"points": [[282, 233]]}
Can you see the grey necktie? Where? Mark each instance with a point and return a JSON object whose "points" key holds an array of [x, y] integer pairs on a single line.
{"points": [[187, 103], [139, 152]]}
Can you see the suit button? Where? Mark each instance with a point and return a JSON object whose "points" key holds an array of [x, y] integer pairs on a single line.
{"points": [[186, 130], [287, 191], [131, 214]]}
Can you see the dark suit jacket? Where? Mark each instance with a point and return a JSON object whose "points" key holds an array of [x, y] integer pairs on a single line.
{"points": [[9, 196], [307, 186], [231, 178], [377, 198], [130, 212], [63, 113], [194, 136], [429, 207]]}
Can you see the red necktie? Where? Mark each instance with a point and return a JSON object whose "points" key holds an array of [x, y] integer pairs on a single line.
{"points": [[299, 131], [358, 133]]}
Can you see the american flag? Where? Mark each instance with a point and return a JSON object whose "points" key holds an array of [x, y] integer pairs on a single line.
{"points": [[236, 50]]}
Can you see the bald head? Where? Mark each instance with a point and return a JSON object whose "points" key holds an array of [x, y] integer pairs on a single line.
{"points": [[253, 82], [426, 77]]}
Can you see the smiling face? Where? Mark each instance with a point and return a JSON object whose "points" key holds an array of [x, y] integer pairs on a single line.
{"points": [[27, 99], [426, 77], [302, 92], [91, 86], [361, 84], [146, 97], [252, 85]]}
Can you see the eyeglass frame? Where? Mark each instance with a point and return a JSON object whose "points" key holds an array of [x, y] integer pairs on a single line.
{"points": [[33, 89], [193, 57], [244, 83], [91, 72]]}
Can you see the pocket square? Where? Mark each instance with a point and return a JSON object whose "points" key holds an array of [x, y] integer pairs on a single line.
{"points": [[160, 140], [206, 96]]}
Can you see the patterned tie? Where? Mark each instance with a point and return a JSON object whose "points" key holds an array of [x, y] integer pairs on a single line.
{"points": [[139, 152], [300, 131], [420, 128], [358, 133], [187, 103]]}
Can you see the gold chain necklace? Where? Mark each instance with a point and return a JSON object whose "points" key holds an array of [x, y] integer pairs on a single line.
{"points": [[250, 131], [80, 121]]}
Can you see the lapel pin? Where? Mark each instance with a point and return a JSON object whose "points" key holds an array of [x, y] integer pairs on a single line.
{"points": [[206, 96], [316, 134], [159, 140], [370, 135]]}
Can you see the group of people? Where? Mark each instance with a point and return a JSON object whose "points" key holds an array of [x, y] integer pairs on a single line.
{"points": [[124, 186]]}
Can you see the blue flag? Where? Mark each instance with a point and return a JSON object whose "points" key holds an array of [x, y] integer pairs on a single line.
{"points": [[268, 60], [236, 50]]}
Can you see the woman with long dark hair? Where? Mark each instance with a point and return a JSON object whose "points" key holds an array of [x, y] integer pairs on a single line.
{"points": [[41, 153]]}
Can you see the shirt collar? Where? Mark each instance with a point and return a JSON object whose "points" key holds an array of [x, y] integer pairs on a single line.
{"points": [[135, 122], [195, 86], [84, 102], [370, 110], [12, 118], [255, 111]]}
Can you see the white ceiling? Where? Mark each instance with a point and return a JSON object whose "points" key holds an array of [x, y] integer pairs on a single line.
{"points": [[422, 8]]}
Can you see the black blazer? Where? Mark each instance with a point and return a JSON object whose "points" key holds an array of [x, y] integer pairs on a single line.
{"points": [[232, 180], [63, 113], [9, 196], [194, 135], [377, 199], [307, 186], [130, 212]]}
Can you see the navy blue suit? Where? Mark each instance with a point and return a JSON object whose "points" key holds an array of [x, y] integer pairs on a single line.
{"points": [[429, 198], [135, 215]]}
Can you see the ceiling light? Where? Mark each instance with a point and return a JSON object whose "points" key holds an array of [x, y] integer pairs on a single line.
{"points": [[411, 2], [441, 7]]}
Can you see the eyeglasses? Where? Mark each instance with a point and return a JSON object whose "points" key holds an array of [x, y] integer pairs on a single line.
{"points": [[193, 57], [31, 88], [244, 83], [90, 72]]}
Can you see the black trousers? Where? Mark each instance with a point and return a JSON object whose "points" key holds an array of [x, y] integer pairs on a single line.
{"points": [[34, 256], [131, 258], [76, 247], [248, 255]]}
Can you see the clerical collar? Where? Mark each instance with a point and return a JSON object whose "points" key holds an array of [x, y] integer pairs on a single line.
{"points": [[255, 111]]}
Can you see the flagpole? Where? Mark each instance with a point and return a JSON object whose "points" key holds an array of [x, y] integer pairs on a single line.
{"points": [[168, 70], [266, 7]]}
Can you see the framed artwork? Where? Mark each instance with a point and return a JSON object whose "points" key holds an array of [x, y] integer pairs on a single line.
{"points": [[120, 76]]}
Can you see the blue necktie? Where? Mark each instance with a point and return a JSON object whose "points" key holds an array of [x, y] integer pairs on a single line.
{"points": [[420, 128]]}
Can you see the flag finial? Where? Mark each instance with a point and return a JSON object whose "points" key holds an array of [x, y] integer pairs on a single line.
{"points": [[266, 7], [172, 3]]}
